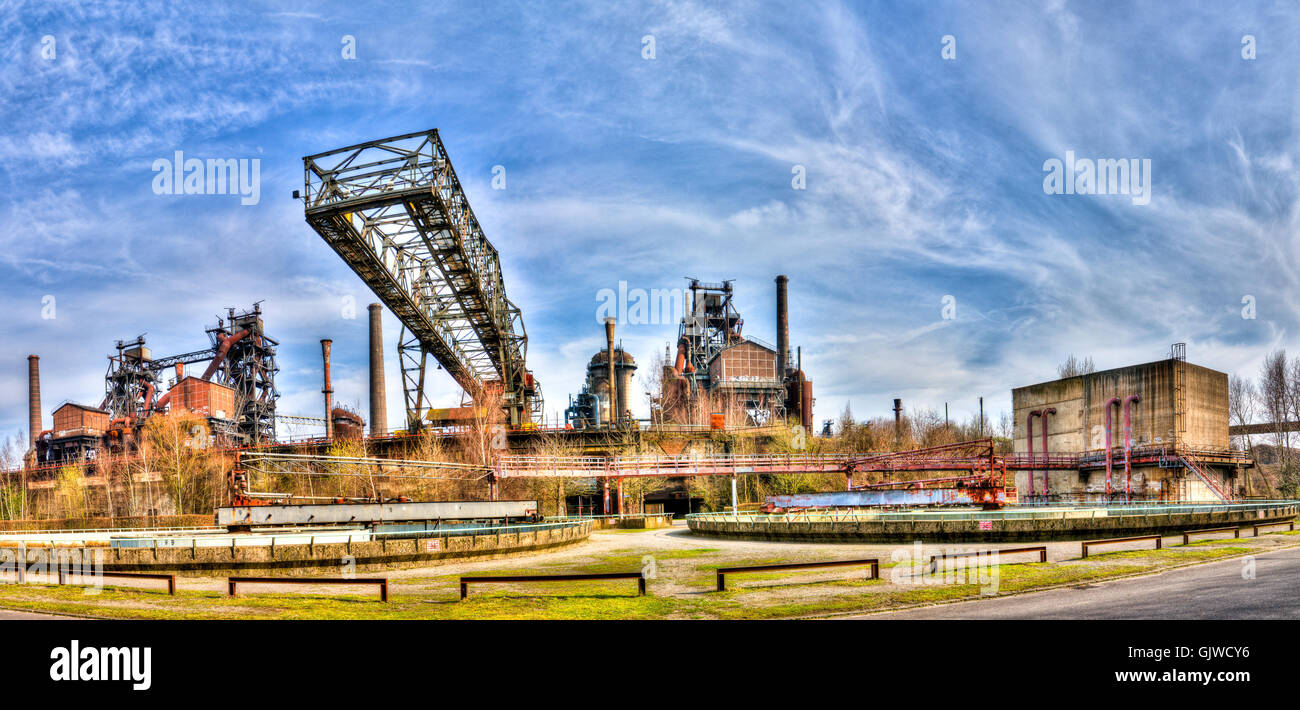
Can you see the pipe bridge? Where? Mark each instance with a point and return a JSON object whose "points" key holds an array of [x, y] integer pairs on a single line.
{"points": [[394, 211], [517, 466]]}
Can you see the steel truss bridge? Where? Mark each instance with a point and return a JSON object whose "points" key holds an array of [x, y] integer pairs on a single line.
{"points": [[516, 466], [394, 210], [277, 466]]}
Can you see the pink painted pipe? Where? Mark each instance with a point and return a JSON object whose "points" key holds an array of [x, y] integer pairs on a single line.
{"points": [[1112, 402], [1029, 439], [1128, 446], [1049, 410]]}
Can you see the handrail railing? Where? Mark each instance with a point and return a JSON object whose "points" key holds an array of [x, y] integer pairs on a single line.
{"points": [[848, 515]]}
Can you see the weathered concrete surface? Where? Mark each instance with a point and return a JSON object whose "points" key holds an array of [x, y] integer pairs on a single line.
{"points": [[312, 559], [775, 528]]}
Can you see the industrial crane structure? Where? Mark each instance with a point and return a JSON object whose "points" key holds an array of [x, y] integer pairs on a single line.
{"points": [[395, 212]]}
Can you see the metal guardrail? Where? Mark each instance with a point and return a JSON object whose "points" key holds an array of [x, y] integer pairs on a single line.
{"points": [[1054, 513], [614, 516], [1117, 540], [171, 578], [4, 533], [485, 530], [638, 576], [722, 572], [220, 538], [934, 559], [232, 583], [1290, 526], [1187, 534]]}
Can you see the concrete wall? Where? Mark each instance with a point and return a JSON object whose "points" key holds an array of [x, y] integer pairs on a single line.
{"points": [[1080, 420], [324, 559], [759, 527], [1206, 417]]}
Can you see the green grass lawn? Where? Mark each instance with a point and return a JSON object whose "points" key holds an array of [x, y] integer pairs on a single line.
{"points": [[682, 589]]}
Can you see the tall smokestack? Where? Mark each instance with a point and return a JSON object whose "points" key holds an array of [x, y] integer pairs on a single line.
{"points": [[325, 344], [782, 327], [378, 398], [613, 388], [33, 398], [898, 422]]}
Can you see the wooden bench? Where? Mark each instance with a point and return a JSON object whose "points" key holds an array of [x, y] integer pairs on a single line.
{"points": [[171, 578], [724, 571], [1290, 525], [233, 582], [639, 577], [1116, 540], [934, 559], [1236, 532]]}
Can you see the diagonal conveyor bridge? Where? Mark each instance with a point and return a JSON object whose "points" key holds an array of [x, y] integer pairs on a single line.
{"points": [[394, 210]]}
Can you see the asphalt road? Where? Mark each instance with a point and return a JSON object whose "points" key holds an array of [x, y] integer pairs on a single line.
{"points": [[1211, 591]]}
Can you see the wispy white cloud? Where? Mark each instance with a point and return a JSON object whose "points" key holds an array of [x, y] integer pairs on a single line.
{"points": [[923, 179]]}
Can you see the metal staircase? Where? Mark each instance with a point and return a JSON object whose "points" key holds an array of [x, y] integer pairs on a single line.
{"points": [[1205, 477]]}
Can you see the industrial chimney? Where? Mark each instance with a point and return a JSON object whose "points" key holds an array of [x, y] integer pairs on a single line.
{"points": [[898, 422], [782, 327], [325, 344], [34, 398], [378, 398], [613, 388]]}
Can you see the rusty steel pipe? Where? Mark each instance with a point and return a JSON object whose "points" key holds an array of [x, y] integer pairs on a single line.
{"points": [[226, 342], [1047, 411], [1128, 445], [1112, 402]]}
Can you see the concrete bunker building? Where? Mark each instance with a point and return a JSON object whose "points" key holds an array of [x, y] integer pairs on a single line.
{"points": [[1165, 424]]}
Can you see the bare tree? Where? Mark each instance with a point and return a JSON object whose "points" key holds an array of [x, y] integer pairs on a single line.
{"points": [[1073, 367], [1006, 425], [13, 489], [1276, 397], [1274, 394], [484, 436], [176, 446], [846, 423], [1241, 404]]}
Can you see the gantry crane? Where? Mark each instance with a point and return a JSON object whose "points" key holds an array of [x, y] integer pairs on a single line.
{"points": [[394, 210]]}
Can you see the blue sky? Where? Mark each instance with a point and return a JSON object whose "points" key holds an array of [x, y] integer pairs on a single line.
{"points": [[924, 179]]}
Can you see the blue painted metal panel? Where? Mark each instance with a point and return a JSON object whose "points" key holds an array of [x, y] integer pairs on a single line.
{"points": [[913, 497]]}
